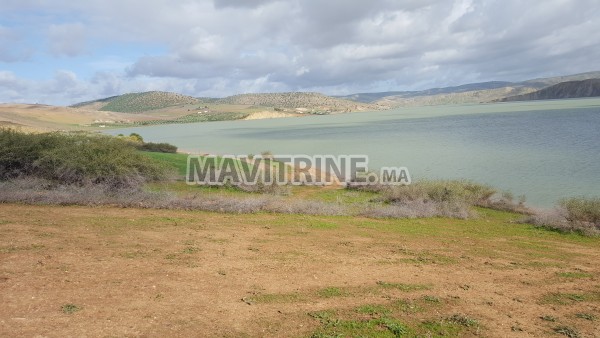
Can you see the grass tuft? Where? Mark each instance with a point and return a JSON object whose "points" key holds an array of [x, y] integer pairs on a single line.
{"points": [[403, 287], [70, 308], [567, 331]]}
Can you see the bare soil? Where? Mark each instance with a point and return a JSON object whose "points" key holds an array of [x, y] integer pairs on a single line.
{"points": [[81, 271]]}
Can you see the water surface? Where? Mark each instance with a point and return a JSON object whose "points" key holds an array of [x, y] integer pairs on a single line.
{"points": [[545, 150]]}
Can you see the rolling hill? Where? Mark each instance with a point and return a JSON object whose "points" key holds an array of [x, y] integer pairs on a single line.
{"points": [[563, 90], [298, 100], [295, 101], [138, 102]]}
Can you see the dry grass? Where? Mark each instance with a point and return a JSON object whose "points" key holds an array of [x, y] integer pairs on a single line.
{"points": [[44, 192], [419, 209]]}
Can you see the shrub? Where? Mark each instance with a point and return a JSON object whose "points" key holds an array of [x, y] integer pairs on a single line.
{"points": [[19, 151], [450, 191], [583, 210], [40, 191], [136, 137], [157, 147], [557, 220], [75, 159]]}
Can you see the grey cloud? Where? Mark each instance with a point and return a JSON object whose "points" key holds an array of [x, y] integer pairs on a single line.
{"points": [[240, 3], [12, 48], [67, 39], [224, 47]]}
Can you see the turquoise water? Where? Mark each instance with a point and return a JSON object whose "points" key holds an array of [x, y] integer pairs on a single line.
{"points": [[545, 150]]}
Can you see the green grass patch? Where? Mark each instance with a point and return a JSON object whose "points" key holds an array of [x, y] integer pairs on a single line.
{"points": [[333, 291], [373, 310], [323, 225], [574, 275], [177, 161], [404, 287], [70, 308], [559, 298], [378, 328], [407, 306], [276, 298], [431, 299], [463, 320], [191, 250], [439, 328]]}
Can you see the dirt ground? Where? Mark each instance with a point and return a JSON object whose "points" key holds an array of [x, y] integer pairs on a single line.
{"points": [[81, 271]]}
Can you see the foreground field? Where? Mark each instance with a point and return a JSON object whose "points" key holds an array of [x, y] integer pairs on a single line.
{"points": [[80, 271]]}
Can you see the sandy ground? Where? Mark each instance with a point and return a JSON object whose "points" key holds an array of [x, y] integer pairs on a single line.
{"points": [[46, 118], [268, 115], [39, 117], [160, 273]]}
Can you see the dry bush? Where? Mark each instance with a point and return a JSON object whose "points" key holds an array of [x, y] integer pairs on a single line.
{"points": [[266, 188], [583, 210], [40, 191], [306, 207], [559, 219]]}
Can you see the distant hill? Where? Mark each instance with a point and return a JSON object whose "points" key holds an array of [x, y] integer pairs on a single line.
{"points": [[468, 93], [468, 97], [316, 103], [372, 97], [297, 100], [138, 102], [563, 90], [147, 101], [549, 81]]}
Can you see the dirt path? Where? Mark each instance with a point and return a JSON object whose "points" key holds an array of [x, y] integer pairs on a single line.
{"points": [[79, 271]]}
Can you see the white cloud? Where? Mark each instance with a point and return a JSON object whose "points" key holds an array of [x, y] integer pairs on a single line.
{"points": [[230, 46]]}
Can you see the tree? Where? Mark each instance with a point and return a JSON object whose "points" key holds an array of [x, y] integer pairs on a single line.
{"points": [[136, 137]]}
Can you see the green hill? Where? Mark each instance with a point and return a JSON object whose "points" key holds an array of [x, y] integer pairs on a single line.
{"points": [[139, 102], [297, 100]]}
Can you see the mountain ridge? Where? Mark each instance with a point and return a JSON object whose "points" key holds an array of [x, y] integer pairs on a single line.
{"points": [[562, 90], [480, 92]]}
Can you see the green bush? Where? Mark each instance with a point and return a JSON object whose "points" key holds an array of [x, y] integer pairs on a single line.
{"points": [[75, 159], [157, 147]]}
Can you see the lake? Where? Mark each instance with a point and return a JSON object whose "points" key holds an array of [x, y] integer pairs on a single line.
{"points": [[545, 150]]}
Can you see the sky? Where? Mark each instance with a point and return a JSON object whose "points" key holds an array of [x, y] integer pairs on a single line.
{"points": [[63, 52]]}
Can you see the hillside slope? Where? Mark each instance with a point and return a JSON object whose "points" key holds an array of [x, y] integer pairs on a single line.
{"points": [[297, 100], [139, 102], [373, 97], [468, 97], [564, 90], [469, 93], [39, 117]]}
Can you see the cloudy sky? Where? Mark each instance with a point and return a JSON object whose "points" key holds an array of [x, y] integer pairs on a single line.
{"points": [[67, 51]]}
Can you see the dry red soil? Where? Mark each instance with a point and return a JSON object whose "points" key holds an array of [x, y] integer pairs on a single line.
{"points": [[81, 271]]}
